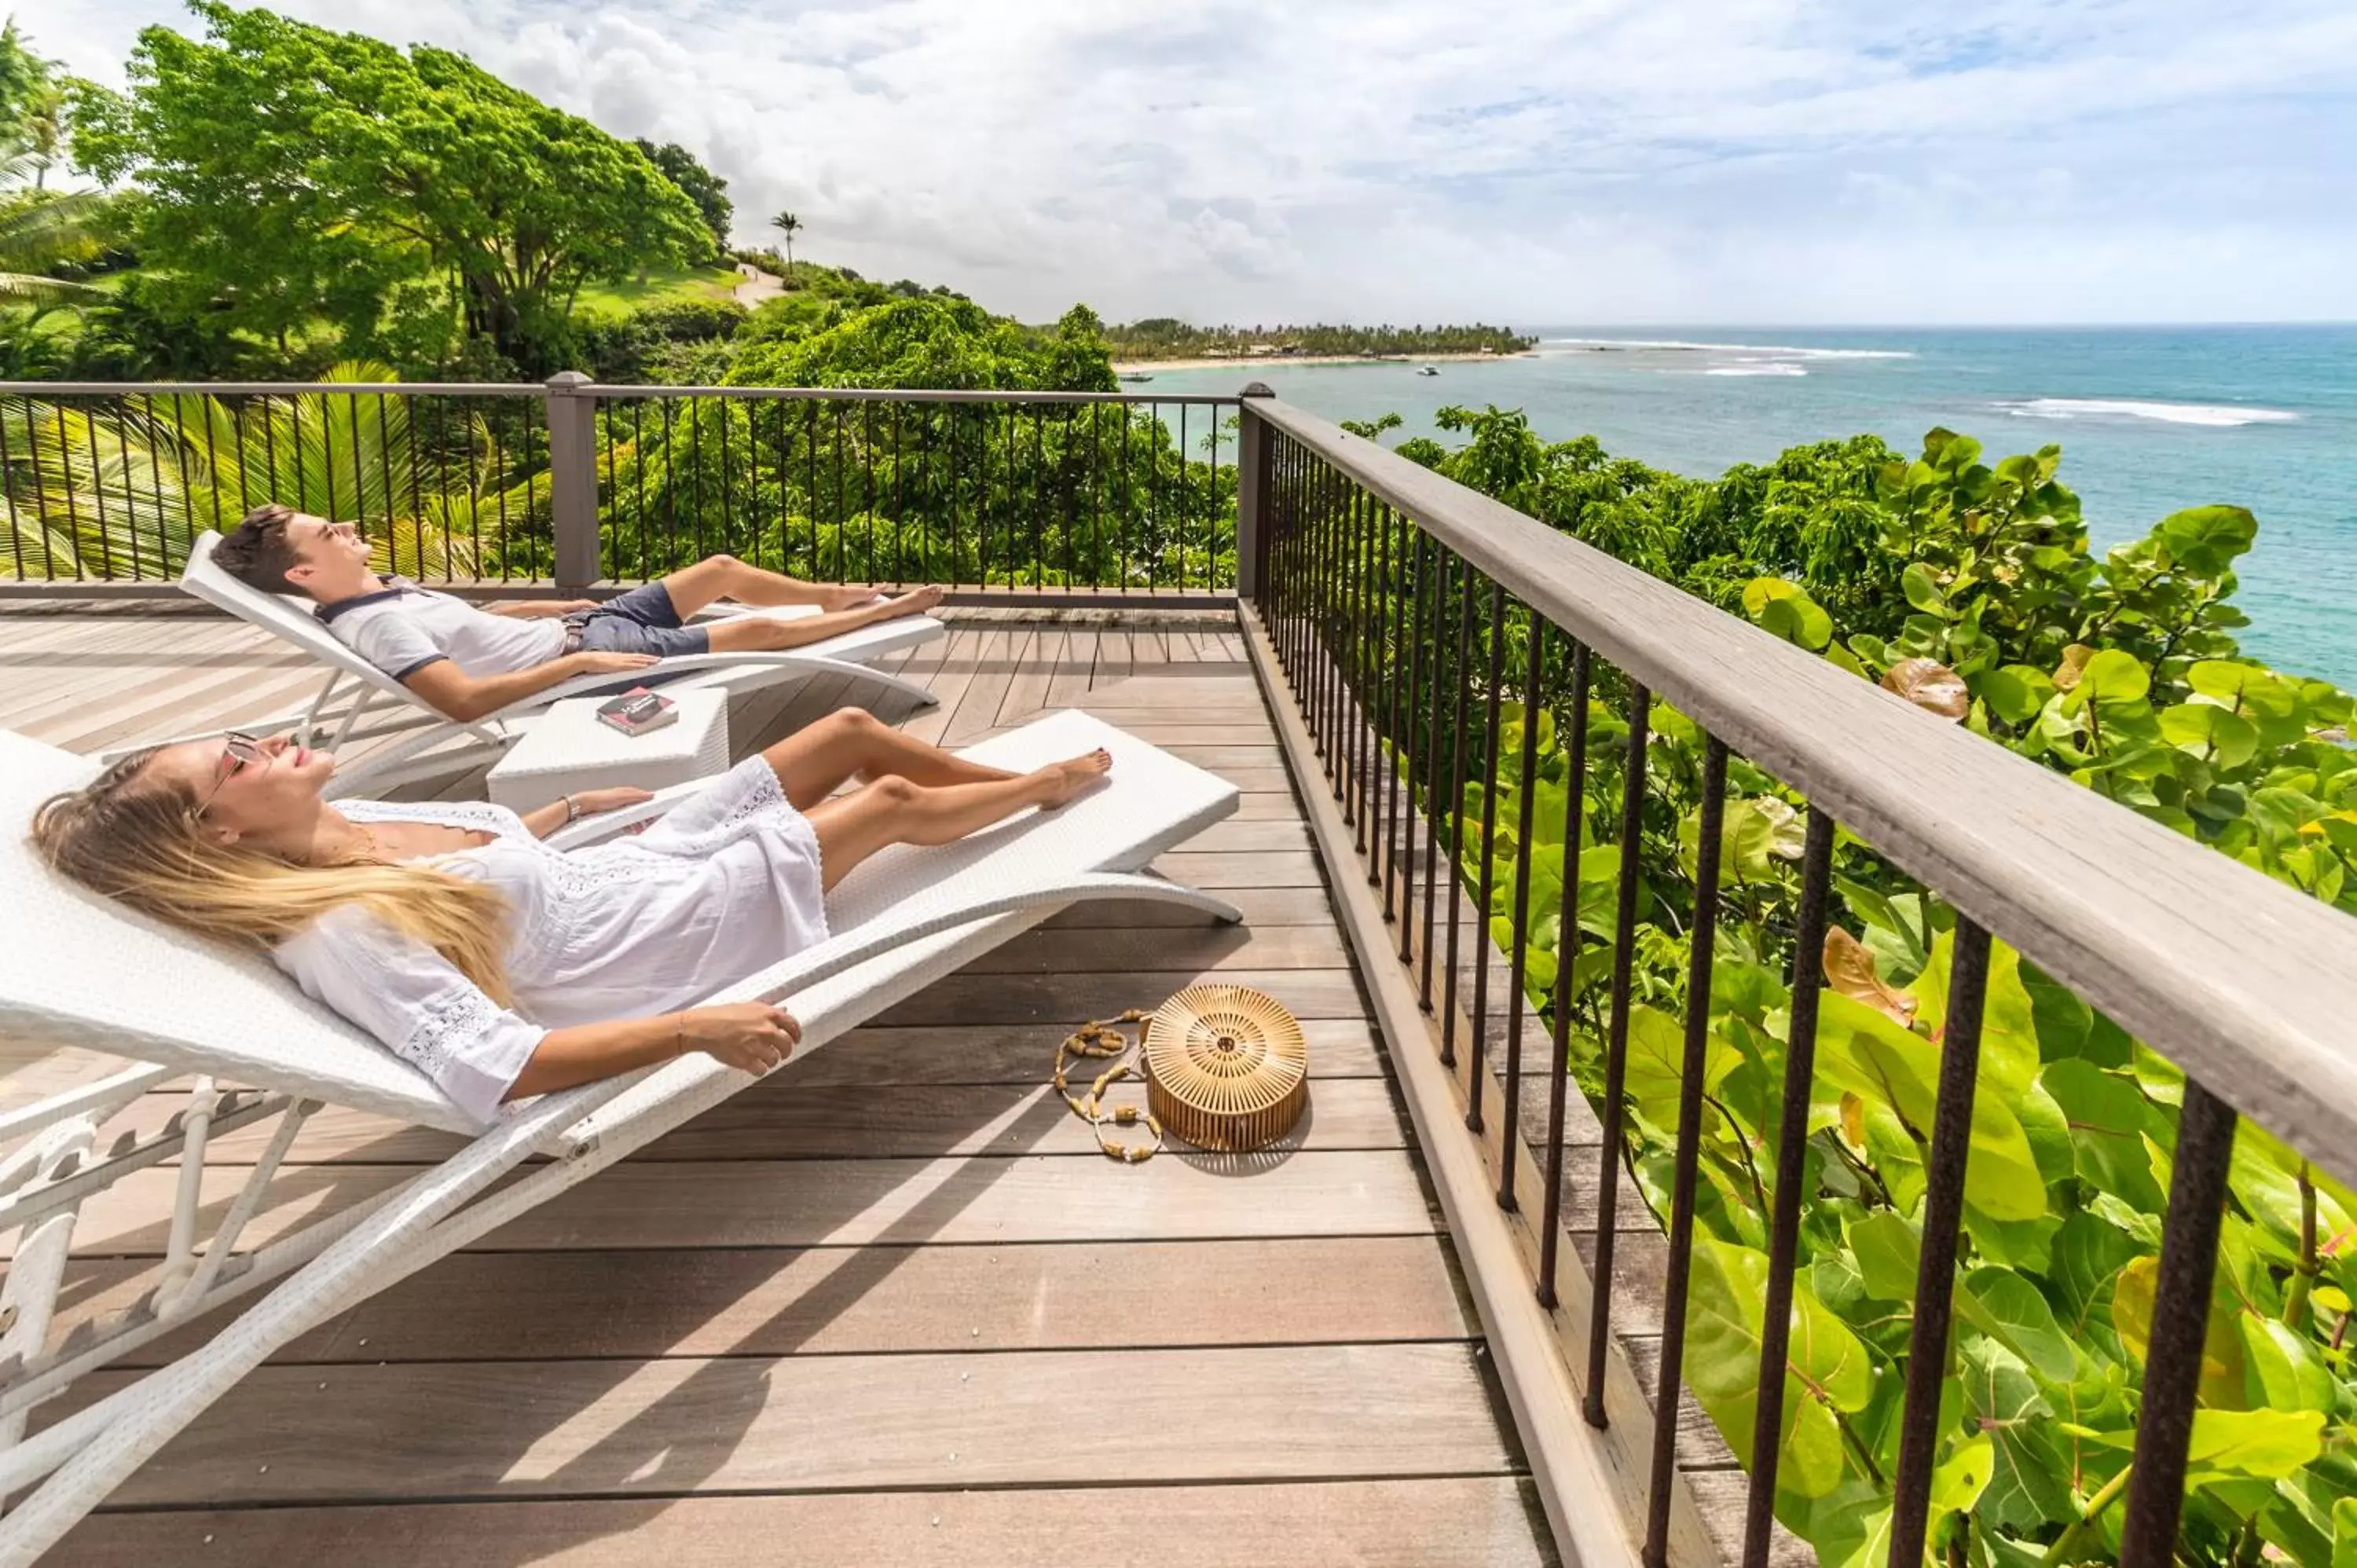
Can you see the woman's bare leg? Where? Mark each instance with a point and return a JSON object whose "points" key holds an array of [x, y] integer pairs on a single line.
{"points": [[896, 809], [852, 743]]}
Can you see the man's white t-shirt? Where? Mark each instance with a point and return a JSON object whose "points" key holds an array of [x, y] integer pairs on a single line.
{"points": [[403, 628]]}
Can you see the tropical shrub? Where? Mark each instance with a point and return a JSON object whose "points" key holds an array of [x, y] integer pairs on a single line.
{"points": [[1968, 589]]}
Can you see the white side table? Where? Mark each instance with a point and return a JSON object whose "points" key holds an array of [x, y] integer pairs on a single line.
{"points": [[567, 750]]}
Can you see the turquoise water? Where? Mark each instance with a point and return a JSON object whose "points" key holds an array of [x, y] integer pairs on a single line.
{"points": [[2149, 420]]}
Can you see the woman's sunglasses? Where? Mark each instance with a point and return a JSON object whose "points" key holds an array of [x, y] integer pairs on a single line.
{"points": [[238, 752]]}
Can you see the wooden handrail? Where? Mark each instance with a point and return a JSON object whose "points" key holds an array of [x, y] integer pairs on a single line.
{"points": [[2243, 983]]}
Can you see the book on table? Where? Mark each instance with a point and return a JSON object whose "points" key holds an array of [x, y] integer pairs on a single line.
{"points": [[638, 712]]}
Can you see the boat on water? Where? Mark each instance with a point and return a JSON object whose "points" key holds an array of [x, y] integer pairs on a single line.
{"points": [[1427, 370], [1135, 376]]}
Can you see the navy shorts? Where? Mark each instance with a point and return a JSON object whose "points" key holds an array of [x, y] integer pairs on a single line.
{"points": [[641, 620]]}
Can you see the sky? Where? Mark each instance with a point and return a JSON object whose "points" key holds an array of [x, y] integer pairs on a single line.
{"points": [[1532, 162]]}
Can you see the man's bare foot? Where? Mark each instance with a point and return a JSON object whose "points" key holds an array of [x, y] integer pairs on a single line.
{"points": [[1067, 778], [915, 601]]}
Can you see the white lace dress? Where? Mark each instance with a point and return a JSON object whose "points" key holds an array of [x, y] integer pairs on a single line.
{"points": [[728, 883]]}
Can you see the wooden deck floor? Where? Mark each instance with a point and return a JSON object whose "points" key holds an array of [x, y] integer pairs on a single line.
{"points": [[888, 1306]]}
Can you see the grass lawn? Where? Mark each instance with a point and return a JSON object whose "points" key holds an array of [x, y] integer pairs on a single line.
{"points": [[660, 285]]}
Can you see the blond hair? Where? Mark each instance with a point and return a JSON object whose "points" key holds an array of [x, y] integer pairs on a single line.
{"points": [[137, 839]]}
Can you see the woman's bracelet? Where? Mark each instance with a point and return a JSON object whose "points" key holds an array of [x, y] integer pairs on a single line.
{"points": [[678, 1036], [572, 810]]}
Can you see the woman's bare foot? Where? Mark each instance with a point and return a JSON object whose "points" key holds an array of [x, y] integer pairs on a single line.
{"points": [[1067, 778]]}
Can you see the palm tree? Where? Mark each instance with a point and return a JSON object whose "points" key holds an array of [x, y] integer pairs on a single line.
{"points": [[786, 223], [37, 232], [120, 490]]}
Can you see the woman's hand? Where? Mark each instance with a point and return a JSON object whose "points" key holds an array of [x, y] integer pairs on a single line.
{"points": [[751, 1036], [589, 802]]}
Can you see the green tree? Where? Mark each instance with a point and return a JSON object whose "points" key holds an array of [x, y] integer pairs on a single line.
{"points": [[786, 223], [296, 174], [701, 186]]}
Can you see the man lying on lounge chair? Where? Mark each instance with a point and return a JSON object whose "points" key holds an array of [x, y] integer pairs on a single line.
{"points": [[468, 662]]}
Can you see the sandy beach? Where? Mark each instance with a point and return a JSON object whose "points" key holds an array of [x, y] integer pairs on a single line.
{"points": [[1241, 362]]}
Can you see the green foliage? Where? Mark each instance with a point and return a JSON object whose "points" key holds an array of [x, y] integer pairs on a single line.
{"points": [[1968, 589], [1165, 337], [698, 184], [298, 173]]}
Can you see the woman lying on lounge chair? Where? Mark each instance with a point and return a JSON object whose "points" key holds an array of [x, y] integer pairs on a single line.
{"points": [[498, 965]]}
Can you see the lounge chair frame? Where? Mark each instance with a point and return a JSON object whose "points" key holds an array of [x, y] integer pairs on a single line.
{"points": [[924, 915], [358, 703]]}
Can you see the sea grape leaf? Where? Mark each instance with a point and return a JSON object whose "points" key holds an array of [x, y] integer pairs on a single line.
{"points": [[1850, 969], [2344, 1533], [2026, 1488], [2001, 1302], [2286, 1371], [1785, 608], [2267, 1444], [1657, 1061], [1960, 1478], [2133, 1292], [2008, 1017], [1870, 1055], [2107, 1116], [2210, 731], [2088, 1256], [2110, 678], [1922, 591], [2205, 540], [1930, 686], [2074, 664], [2014, 692], [1827, 1368], [1888, 1254]]}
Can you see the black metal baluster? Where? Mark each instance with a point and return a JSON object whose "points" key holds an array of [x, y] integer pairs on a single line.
{"points": [[1362, 666], [1526, 793], [639, 480], [727, 492], [1456, 807], [609, 557], [1443, 677], [1566, 961], [164, 561], [98, 496], [8, 487], [1407, 724], [835, 459], [57, 422], [360, 484], [2180, 1321], [1784, 1226], [867, 462], [899, 503], [1186, 497], [181, 457], [1700, 938], [695, 469], [498, 489], [1485, 884], [1943, 1213], [1616, 1046]]}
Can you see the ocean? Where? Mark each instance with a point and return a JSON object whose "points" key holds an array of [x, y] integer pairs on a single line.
{"points": [[2149, 420]]}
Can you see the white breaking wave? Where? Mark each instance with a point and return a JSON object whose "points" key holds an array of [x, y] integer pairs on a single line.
{"points": [[1778, 350], [2218, 415], [1767, 370]]}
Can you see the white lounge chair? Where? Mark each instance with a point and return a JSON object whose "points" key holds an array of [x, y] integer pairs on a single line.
{"points": [[422, 742], [77, 969]]}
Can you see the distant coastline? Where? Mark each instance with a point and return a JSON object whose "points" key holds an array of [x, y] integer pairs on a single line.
{"points": [[1246, 362]]}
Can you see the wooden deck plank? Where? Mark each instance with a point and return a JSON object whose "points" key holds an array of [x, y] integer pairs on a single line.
{"points": [[847, 1203], [1315, 1290], [810, 1424], [779, 1298], [849, 1121], [1445, 1522]]}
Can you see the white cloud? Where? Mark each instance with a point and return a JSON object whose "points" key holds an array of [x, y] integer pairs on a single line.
{"points": [[1538, 161]]}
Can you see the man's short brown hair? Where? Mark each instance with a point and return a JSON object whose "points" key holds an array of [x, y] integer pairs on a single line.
{"points": [[257, 552]]}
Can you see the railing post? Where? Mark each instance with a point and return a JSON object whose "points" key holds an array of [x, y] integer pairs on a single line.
{"points": [[1252, 491], [573, 480]]}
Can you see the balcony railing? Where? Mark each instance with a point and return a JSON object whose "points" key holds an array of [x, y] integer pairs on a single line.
{"points": [[1433, 639], [571, 484]]}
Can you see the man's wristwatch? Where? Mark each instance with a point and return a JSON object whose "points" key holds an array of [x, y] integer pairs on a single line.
{"points": [[572, 810]]}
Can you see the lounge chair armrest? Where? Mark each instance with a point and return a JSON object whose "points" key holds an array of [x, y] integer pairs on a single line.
{"points": [[608, 824]]}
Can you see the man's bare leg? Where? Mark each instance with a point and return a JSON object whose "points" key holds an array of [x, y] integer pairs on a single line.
{"points": [[894, 809], [766, 634], [822, 757], [717, 577]]}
